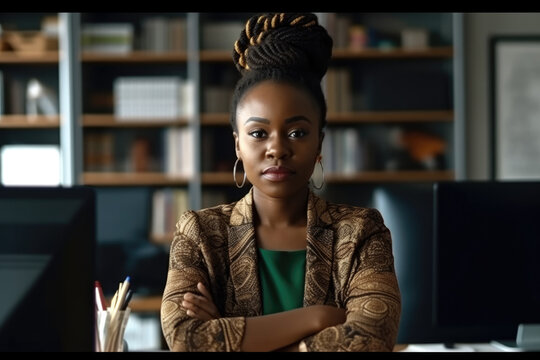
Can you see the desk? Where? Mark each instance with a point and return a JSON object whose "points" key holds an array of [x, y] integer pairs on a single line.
{"points": [[439, 347]]}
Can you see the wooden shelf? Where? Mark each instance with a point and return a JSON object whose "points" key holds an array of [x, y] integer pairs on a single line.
{"points": [[162, 239], [216, 56], [341, 54], [146, 303], [51, 57], [135, 57], [26, 121], [19, 57], [217, 178], [396, 53], [150, 303], [133, 179], [390, 176], [215, 119], [225, 178], [412, 116], [109, 120]]}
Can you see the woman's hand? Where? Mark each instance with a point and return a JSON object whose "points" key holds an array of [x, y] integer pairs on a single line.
{"points": [[328, 315], [201, 307]]}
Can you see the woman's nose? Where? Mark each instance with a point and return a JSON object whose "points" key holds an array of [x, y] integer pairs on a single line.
{"points": [[277, 147]]}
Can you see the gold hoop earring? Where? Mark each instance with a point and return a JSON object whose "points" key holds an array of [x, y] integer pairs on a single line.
{"points": [[234, 175], [322, 177]]}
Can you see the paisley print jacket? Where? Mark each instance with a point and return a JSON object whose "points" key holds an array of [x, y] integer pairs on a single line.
{"points": [[349, 264]]}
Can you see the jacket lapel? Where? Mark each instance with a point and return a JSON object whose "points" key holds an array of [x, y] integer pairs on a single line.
{"points": [[319, 255], [243, 258], [243, 255]]}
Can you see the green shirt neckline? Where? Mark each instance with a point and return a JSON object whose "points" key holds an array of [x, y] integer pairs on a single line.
{"points": [[282, 276]]}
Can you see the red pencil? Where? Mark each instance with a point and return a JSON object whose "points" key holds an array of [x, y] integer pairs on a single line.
{"points": [[101, 303]]}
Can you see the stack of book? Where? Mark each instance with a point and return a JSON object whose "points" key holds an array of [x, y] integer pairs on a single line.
{"points": [[160, 34], [178, 150], [167, 206], [339, 90], [151, 97], [116, 38], [345, 151], [220, 35], [1, 93]]}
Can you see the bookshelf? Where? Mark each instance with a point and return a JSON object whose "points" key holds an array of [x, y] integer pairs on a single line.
{"points": [[209, 66], [437, 55], [25, 58]]}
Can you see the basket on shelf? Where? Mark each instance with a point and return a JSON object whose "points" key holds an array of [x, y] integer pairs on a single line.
{"points": [[29, 41]]}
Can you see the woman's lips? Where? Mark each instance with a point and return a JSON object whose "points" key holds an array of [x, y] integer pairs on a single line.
{"points": [[277, 173]]}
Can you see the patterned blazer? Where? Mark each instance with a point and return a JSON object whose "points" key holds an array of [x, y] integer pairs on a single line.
{"points": [[349, 264]]}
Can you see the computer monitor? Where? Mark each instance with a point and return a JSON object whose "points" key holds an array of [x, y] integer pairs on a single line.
{"points": [[486, 259], [47, 247], [407, 209]]}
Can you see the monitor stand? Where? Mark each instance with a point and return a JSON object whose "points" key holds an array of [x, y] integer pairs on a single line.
{"points": [[505, 345], [439, 347], [527, 339]]}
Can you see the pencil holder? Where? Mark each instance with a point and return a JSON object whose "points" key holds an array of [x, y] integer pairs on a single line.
{"points": [[111, 328]]}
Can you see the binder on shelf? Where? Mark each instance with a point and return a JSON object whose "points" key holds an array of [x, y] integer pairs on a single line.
{"points": [[151, 97]]}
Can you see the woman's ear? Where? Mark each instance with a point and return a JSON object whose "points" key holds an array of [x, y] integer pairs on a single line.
{"points": [[321, 138], [236, 144]]}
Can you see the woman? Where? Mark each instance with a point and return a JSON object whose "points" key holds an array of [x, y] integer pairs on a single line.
{"points": [[281, 269]]}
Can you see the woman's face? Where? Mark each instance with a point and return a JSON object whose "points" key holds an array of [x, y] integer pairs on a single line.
{"points": [[278, 137]]}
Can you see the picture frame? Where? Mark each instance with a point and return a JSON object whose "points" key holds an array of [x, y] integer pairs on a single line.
{"points": [[515, 107]]}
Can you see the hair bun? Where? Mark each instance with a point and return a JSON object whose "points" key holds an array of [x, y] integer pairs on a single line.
{"points": [[292, 42]]}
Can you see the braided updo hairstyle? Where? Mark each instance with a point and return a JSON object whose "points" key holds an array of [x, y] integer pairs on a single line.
{"points": [[292, 48]]}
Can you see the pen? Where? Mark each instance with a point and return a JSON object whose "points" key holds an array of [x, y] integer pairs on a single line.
{"points": [[128, 298], [122, 294], [101, 303]]}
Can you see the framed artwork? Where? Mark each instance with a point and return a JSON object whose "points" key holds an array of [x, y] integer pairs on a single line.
{"points": [[515, 107]]}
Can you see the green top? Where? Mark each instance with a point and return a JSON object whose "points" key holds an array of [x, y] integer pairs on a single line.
{"points": [[282, 276]]}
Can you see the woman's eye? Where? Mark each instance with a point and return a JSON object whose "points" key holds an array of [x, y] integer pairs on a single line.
{"points": [[257, 133], [297, 133]]}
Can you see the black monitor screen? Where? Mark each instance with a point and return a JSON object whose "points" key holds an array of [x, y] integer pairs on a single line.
{"points": [[47, 247], [487, 258], [407, 209]]}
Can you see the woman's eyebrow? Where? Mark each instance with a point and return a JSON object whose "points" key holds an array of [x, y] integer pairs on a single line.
{"points": [[257, 119], [297, 118], [287, 121]]}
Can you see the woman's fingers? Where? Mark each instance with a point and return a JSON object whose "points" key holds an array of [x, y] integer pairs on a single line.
{"points": [[196, 309], [200, 306], [204, 291], [212, 309]]}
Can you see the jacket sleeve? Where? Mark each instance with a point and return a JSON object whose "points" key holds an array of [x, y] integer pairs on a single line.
{"points": [[186, 268], [370, 293]]}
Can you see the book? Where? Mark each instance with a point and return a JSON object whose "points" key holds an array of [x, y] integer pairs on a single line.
{"points": [[2, 110], [167, 206], [152, 97], [114, 38], [178, 150], [99, 151], [221, 35], [161, 34]]}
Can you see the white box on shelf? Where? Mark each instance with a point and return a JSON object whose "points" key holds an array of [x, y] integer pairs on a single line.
{"points": [[30, 165]]}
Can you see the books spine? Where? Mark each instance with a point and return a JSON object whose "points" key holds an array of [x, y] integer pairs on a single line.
{"points": [[152, 97], [2, 110]]}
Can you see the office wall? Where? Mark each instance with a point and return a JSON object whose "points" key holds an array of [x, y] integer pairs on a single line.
{"points": [[478, 28]]}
